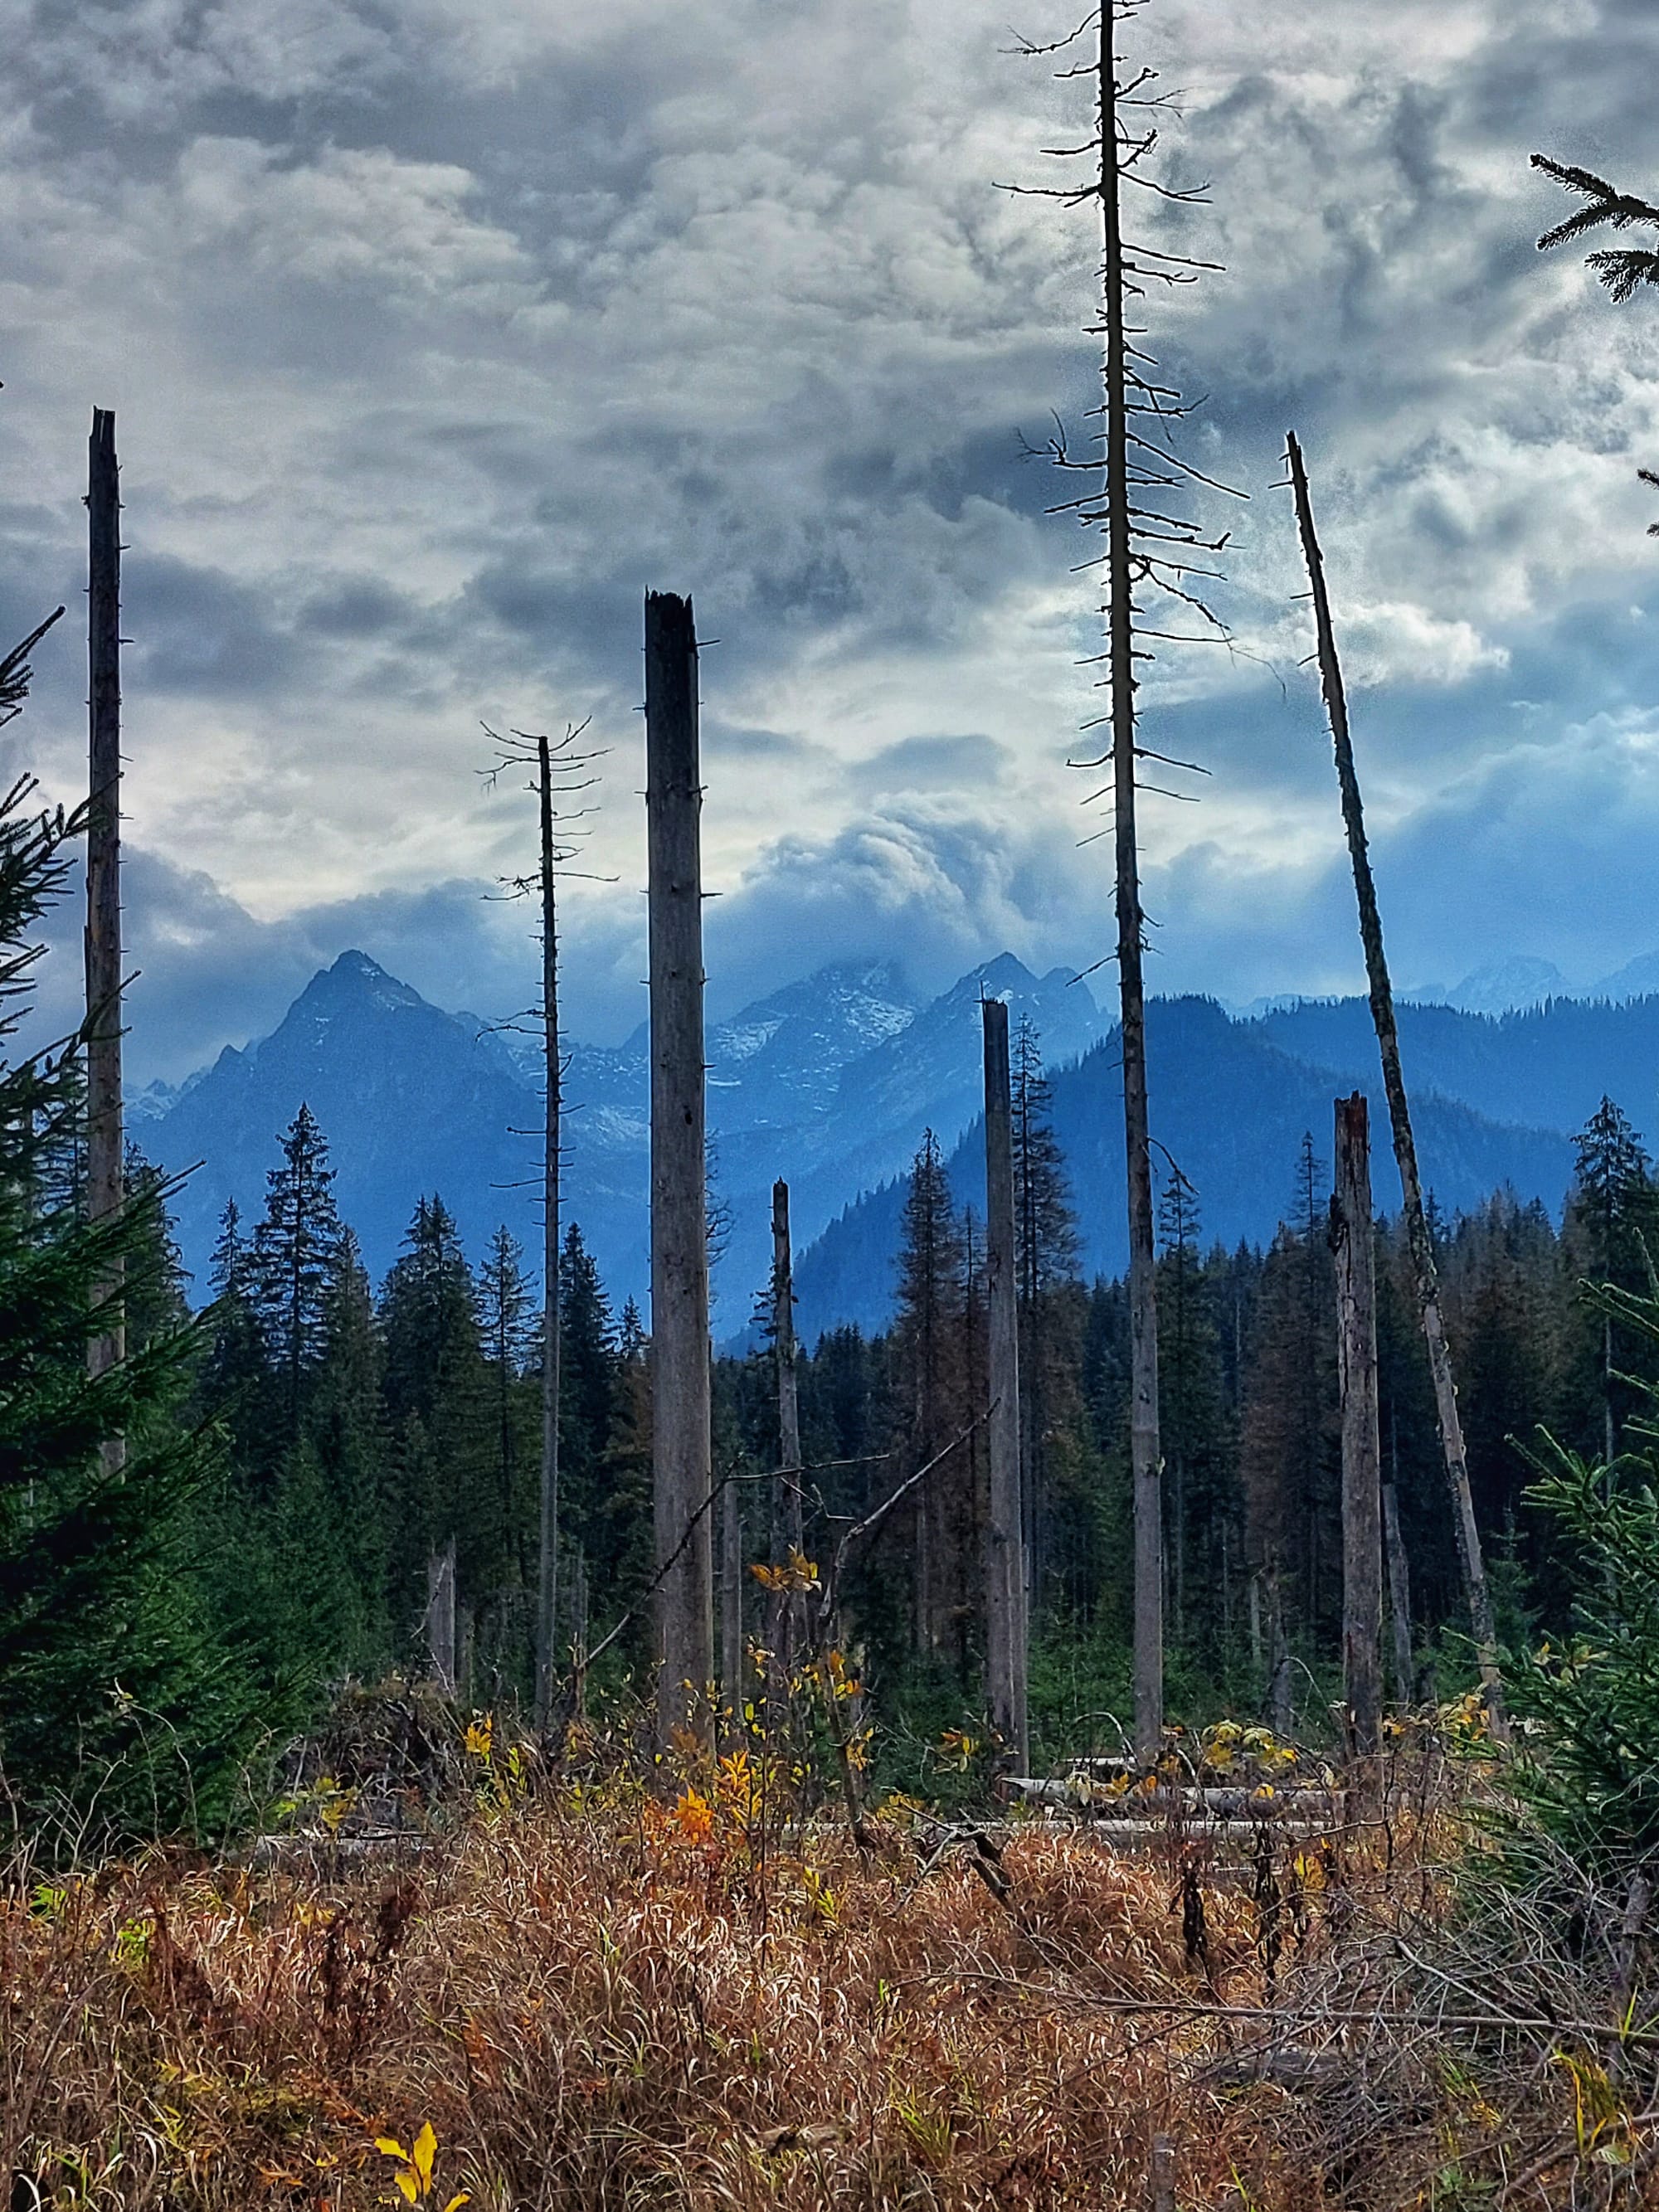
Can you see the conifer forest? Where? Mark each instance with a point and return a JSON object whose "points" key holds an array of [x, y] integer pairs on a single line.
{"points": [[504, 1727]]}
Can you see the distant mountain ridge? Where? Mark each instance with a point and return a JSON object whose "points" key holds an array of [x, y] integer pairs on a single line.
{"points": [[831, 1081], [1230, 1101], [1521, 982]]}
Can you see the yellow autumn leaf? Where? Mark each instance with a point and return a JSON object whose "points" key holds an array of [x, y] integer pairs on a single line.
{"points": [[389, 2147], [405, 2181], [426, 2145]]}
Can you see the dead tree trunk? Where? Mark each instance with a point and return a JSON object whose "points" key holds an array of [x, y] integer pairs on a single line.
{"points": [[1160, 2175], [103, 938], [1405, 1145], [440, 1616], [731, 1580], [1004, 1561], [547, 1570], [1280, 1711], [1145, 1463], [679, 1228], [1400, 1598], [788, 1531], [1351, 1238]]}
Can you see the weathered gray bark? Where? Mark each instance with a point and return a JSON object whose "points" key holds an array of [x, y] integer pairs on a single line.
{"points": [[547, 1568], [786, 1509], [1281, 1714], [1005, 1549], [1160, 2175], [1146, 1463], [1405, 1145], [1006, 1568], [788, 1527], [1352, 1241], [1400, 1598], [732, 1607], [440, 1616], [105, 1146], [679, 1228]]}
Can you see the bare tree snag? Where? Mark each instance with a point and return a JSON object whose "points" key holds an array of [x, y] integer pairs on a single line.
{"points": [[1160, 2176], [1150, 544], [679, 1230], [1405, 1145], [788, 1529], [440, 1615], [1146, 1459], [1353, 1245], [1400, 1598], [1004, 1560], [547, 1564], [105, 1146], [1281, 1713], [731, 1584]]}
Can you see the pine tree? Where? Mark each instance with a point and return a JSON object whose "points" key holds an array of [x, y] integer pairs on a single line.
{"points": [[928, 1345], [294, 1248], [1191, 1417], [587, 1380], [346, 1431], [1048, 1249], [1611, 1214], [617, 1529], [1289, 1447], [510, 1332], [108, 1671], [1093, 1522], [437, 1401], [237, 1386], [156, 1305]]}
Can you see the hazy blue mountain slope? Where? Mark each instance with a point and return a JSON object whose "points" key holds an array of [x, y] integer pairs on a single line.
{"points": [[1548, 1066], [1230, 1107], [830, 1082], [411, 1099], [414, 1100]]}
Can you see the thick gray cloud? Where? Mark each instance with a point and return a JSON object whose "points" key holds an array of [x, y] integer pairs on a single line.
{"points": [[438, 333]]}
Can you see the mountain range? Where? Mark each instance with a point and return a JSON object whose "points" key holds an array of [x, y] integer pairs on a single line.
{"points": [[830, 1082], [1522, 980]]}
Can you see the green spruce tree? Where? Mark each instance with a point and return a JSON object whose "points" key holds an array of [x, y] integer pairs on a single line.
{"points": [[116, 1696], [295, 1250]]}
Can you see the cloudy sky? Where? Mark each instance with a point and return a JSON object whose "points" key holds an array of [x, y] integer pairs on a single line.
{"points": [[440, 331]]}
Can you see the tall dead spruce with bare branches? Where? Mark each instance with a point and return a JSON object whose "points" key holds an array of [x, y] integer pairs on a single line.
{"points": [[559, 773], [1154, 552]]}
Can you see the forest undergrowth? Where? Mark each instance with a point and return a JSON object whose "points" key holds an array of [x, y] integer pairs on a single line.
{"points": [[592, 1989]]}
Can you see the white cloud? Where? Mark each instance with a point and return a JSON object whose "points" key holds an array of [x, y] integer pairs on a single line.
{"points": [[437, 333]]}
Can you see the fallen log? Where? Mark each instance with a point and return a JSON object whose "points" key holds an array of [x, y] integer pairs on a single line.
{"points": [[1237, 1804]]}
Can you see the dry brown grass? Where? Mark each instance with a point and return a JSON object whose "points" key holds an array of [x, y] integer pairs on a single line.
{"points": [[603, 1999]]}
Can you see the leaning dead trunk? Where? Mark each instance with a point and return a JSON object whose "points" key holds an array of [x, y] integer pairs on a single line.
{"points": [[1405, 1145], [103, 938], [679, 1228], [1353, 1242], [1400, 1598]]}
